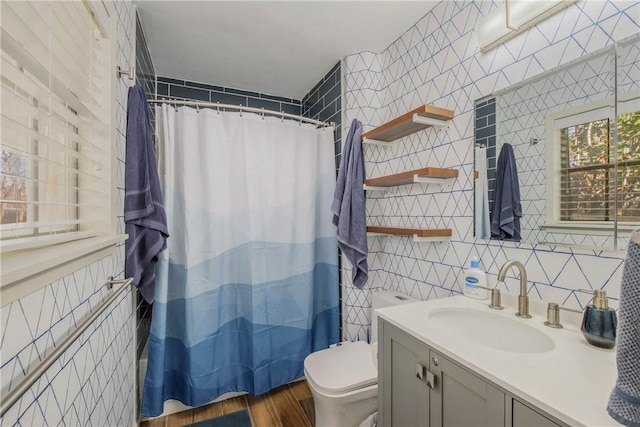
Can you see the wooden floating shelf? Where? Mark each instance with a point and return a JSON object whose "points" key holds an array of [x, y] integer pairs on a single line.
{"points": [[411, 122], [424, 175], [419, 234]]}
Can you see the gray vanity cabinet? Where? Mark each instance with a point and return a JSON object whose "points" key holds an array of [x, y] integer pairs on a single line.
{"points": [[403, 397], [524, 416], [420, 387], [460, 398]]}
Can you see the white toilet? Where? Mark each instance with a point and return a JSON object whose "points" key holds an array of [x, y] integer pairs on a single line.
{"points": [[344, 378]]}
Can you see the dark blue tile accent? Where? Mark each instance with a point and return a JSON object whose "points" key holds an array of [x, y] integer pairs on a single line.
{"points": [[327, 112], [315, 109], [202, 86], [227, 98], [335, 119], [327, 86], [315, 89], [491, 119], [291, 109], [278, 98], [485, 132], [263, 103], [163, 89], [490, 108], [241, 92], [188, 93], [311, 98], [335, 70], [481, 122], [170, 80], [334, 93]]}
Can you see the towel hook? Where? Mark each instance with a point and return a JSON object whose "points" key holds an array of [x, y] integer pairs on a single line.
{"points": [[122, 72]]}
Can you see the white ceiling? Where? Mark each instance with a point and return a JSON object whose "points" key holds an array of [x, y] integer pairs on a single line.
{"points": [[279, 48]]}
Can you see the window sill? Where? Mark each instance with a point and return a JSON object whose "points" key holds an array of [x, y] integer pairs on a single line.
{"points": [[592, 228], [24, 272]]}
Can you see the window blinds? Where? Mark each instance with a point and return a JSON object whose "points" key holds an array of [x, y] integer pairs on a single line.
{"points": [[54, 131], [596, 182]]}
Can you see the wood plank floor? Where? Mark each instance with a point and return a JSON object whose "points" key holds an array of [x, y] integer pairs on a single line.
{"points": [[288, 406]]}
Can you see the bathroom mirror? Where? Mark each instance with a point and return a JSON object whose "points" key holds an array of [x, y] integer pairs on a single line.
{"points": [[563, 129]]}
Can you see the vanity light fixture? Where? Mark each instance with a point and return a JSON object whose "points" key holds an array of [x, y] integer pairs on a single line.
{"points": [[514, 17]]}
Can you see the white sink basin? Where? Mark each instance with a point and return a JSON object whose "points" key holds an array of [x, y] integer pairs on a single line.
{"points": [[491, 330]]}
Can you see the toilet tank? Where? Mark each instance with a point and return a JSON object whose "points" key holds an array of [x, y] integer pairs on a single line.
{"points": [[385, 299]]}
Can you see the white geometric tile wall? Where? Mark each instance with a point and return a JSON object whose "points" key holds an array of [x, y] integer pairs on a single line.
{"points": [[92, 383], [437, 61]]}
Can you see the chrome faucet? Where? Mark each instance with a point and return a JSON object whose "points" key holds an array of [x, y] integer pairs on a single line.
{"points": [[523, 299]]}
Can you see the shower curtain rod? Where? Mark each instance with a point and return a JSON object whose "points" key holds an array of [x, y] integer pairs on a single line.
{"points": [[217, 105]]}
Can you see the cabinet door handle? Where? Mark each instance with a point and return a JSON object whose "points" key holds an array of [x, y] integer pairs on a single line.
{"points": [[420, 371], [431, 380]]}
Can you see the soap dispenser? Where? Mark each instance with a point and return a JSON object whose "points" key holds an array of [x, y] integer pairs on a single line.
{"points": [[599, 321]]}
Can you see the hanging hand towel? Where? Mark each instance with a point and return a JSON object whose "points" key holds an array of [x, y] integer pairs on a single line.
{"points": [[349, 213], [144, 215], [624, 402], [505, 218]]}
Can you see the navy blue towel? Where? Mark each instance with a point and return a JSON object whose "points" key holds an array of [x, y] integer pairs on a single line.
{"points": [[507, 211], [348, 207], [144, 215]]}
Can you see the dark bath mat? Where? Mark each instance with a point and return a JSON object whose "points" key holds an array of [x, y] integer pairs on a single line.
{"points": [[235, 419]]}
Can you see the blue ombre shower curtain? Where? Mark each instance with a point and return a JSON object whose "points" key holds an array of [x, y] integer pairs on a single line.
{"points": [[248, 285]]}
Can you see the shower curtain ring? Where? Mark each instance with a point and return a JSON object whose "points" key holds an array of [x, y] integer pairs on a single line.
{"points": [[218, 105], [262, 113], [282, 117], [240, 110]]}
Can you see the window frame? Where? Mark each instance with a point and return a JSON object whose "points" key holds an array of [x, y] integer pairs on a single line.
{"points": [[598, 110], [29, 265]]}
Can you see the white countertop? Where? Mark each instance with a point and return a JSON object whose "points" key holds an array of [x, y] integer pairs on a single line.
{"points": [[572, 382]]}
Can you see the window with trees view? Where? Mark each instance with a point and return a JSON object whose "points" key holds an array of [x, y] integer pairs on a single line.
{"points": [[590, 185]]}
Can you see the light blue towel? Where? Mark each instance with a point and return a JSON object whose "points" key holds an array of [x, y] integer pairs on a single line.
{"points": [[482, 219], [507, 211], [348, 207], [144, 215], [624, 402]]}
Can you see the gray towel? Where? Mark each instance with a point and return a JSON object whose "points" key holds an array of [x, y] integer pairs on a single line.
{"points": [[624, 402], [348, 207], [507, 211], [144, 215]]}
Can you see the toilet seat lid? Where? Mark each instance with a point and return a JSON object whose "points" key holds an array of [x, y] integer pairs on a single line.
{"points": [[342, 368]]}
